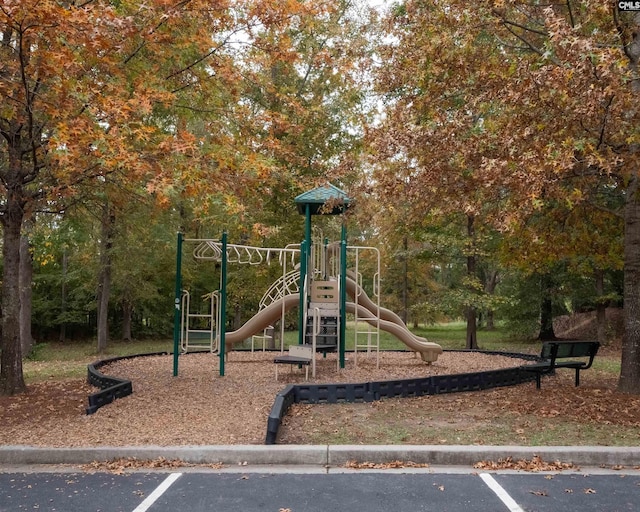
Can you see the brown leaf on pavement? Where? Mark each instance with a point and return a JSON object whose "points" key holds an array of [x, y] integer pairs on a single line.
{"points": [[396, 464], [533, 465]]}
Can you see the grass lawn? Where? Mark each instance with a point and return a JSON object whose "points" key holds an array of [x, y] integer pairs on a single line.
{"points": [[449, 336], [65, 360], [69, 360]]}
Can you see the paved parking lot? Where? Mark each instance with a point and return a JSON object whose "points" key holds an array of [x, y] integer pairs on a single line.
{"points": [[316, 491]]}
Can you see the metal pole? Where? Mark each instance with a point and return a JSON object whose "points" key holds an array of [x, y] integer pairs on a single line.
{"points": [[303, 278], [176, 310], [343, 293], [307, 226], [223, 302]]}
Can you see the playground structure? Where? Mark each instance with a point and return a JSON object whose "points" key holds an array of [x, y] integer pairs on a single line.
{"points": [[314, 278]]}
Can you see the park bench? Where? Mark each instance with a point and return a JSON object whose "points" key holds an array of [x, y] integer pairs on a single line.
{"points": [[563, 354], [300, 355]]}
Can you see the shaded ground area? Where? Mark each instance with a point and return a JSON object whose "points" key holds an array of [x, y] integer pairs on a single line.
{"points": [[199, 407]]}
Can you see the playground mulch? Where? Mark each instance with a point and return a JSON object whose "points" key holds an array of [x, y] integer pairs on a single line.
{"points": [[198, 407]]}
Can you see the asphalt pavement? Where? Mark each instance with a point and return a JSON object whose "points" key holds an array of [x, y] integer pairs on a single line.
{"points": [[314, 489]]}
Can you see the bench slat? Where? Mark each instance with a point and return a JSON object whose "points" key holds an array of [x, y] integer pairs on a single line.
{"points": [[286, 359]]}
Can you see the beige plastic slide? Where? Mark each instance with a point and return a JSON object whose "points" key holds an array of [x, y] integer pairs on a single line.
{"points": [[261, 320], [428, 350], [390, 322], [363, 298]]}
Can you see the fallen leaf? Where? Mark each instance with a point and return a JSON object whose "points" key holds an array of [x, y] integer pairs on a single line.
{"points": [[533, 465], [539, 493], [352, 464]]}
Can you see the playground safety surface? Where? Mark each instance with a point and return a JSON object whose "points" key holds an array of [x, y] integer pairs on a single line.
{"points": [[201, 408]]}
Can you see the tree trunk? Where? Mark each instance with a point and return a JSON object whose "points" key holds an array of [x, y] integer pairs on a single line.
{"points": [[127, 314], [601, 308], [237, 317], [470, 313], [546, 320], [405, 282], [104, 277], [472, 329], [63, 297], [629, 381], [546, 310], [490, 288], [630, 368], [26, 276], [11, 376]]}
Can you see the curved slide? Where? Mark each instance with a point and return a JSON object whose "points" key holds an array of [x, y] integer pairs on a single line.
{"points": [[390, 322], [428, 350], [354, 288], [261, 320], [366, 309]]}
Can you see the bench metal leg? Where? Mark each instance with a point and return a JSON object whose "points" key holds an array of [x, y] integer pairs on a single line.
{"points": [[577, 377], [538, 377], [306, 370]]}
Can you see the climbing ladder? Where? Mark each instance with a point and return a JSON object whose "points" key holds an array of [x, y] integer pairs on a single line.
{"points": [[367, 333], [198, 330]]}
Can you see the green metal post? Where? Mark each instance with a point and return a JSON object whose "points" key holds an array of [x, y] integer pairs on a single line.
{"points": [[343, 293], [223, 302], [177, 306], [303, 277], [305, 255], [309, 273], [307, 226]]}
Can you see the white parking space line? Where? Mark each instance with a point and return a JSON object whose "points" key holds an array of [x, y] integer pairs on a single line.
{"points": [[501, 493], [159, 491]]}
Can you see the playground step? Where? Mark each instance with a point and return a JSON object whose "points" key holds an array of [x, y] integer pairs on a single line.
{"points": [[323, 330], [327, 333]]}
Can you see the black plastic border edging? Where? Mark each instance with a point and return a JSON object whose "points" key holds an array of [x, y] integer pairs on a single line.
{"points": [[110, 387], [370, 391]]}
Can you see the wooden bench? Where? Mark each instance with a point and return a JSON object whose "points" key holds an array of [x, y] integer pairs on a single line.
{"points": [[299, 355], [554, 355]]}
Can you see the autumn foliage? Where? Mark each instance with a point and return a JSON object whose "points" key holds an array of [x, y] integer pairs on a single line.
{"points": [[116, 100], [505, 116], [512, 111]]}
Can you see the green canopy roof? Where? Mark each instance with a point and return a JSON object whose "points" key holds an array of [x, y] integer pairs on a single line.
{"points": [[320, 196]]}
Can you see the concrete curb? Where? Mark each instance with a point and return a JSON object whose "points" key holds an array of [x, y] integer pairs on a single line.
{"points": [[232, 454], [469, 455], [326, 455]]}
